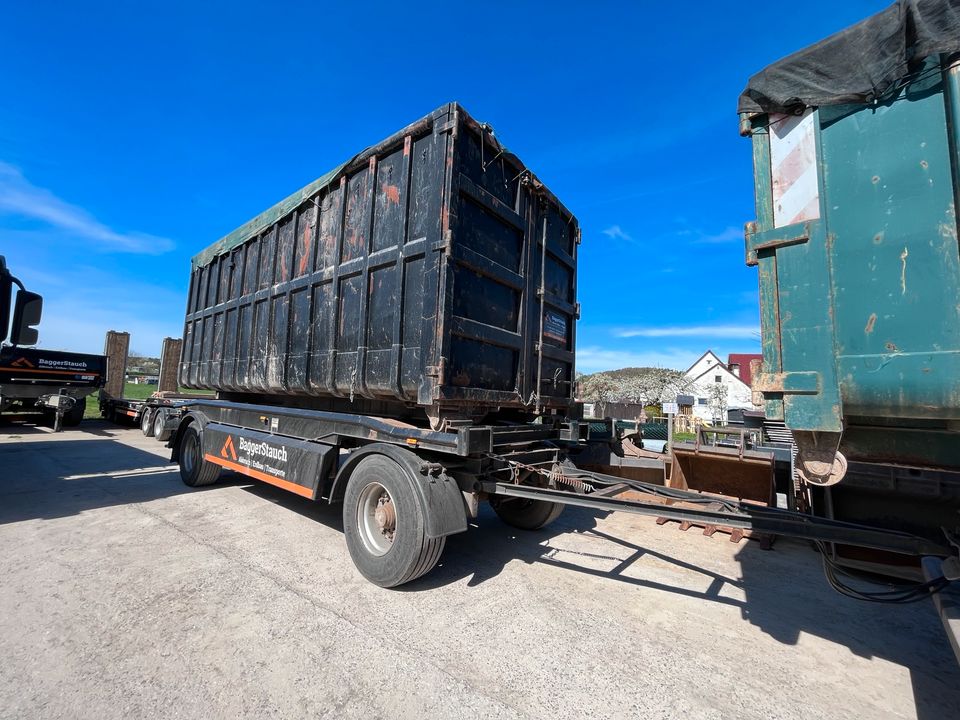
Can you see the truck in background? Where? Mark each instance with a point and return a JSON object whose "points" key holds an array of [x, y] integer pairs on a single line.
{"points": [[34, 381]]}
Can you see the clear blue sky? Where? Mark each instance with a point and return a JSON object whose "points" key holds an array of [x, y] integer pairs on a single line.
{"points": [[132, 135]]}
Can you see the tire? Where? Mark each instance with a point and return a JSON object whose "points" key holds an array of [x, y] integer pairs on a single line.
{"points": [[146, 422], [386, 558], [74, 415], [160, 432], [194, 470], [526, 514]]}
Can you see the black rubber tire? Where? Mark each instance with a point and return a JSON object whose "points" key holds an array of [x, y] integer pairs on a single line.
{"points": [[526, 514], [194, 470], [411, 554], [146, 422], [74, 416], [160, 433]]}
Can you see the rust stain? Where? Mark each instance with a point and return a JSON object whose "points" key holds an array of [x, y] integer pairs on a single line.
{"points": [[406, 146], [892, 347], [305, 257], [878, 238], [903, 271], [392, 192], [871, 321]]}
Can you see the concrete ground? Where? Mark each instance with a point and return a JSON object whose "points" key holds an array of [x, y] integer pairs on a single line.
{"points": [[126, 594]]}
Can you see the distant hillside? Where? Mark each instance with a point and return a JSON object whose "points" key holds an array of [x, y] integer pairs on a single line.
{"points": [[630, 373], [633, 385]]}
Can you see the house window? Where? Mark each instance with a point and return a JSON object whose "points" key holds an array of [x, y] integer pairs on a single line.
{"points": [[716, 378]]}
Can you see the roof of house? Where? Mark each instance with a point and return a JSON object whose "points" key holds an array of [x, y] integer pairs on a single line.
{"points": [[720, 368], [708, 352], [743, 360]]}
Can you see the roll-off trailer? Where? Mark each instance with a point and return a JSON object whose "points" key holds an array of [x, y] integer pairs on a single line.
{"points": [[398, 337]]}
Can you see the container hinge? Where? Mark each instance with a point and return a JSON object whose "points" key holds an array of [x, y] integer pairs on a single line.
{"points": [[446, 243], [435, 370], [576, 310], [788, 383]]}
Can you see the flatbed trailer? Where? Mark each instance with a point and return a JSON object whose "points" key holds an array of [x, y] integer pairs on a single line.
{"points": [[404, 489], [152, 414]]}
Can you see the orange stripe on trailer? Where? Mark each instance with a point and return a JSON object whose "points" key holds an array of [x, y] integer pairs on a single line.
{"points": [[279, 482], [50, 372]]}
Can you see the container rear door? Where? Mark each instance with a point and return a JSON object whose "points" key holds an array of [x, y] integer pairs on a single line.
{"points": [[510, 284], [790, 245]]}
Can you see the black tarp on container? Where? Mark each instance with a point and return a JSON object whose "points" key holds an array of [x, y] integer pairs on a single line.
{"points": [[430, 270], [860, 63]]}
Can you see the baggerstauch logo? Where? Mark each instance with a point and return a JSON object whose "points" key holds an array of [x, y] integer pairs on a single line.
{"points": [[263, 449], [62, 364], [228, 451]]}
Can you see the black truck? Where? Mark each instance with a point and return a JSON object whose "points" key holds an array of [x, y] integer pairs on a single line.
{"points": [[33, 381]]}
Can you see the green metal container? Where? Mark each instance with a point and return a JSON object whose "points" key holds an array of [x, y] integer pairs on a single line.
{"points": [[857, 174], [856, 245]]}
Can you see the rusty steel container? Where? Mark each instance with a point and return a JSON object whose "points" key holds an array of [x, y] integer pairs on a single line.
{"points": [[431, 272]]}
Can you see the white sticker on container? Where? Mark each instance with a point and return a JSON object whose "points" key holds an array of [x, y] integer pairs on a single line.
{"points": [[793, 169]]}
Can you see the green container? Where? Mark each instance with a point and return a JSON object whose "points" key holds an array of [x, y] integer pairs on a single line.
{"points": [[856, 246]]}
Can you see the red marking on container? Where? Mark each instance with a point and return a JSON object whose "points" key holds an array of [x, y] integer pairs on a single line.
{"points": [[392, 192], [305, 256]]}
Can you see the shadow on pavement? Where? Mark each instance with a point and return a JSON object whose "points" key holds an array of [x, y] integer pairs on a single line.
{"points": [[43, 479]]}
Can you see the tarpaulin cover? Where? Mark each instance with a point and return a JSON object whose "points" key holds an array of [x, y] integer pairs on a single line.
{"points": [[859, 64]]}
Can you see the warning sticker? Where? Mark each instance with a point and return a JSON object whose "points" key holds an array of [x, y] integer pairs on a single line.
{"points": [[555, 326]]}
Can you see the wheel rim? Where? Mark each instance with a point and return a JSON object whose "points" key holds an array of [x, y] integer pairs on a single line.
{"points": [[158, 424], [191, 453], [146, 422], [376, 519]]}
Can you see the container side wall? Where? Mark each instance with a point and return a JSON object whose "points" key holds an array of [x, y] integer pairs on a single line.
{"points": [[890, 208], [331, 298]]}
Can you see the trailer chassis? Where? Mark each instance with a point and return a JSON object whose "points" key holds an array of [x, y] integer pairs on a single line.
{"points": [[441, 476]]}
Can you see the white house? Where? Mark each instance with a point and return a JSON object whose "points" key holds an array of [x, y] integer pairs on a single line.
{"points": [[715, 389]]}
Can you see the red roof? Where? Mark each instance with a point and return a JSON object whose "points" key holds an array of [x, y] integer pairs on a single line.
{"points": [[743, 360]]}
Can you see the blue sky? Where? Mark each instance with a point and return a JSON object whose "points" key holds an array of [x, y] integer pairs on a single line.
{"points": [[132, 135]]}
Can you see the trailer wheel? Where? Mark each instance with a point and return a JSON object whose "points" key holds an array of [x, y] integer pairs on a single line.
{"points": [[194, 470], [74, 415], [525, 514], [383, 521], [146, 422], [160, 432]]}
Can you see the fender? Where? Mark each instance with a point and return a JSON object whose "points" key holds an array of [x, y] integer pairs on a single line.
{"points": [[444, 510], [193, 416]]}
